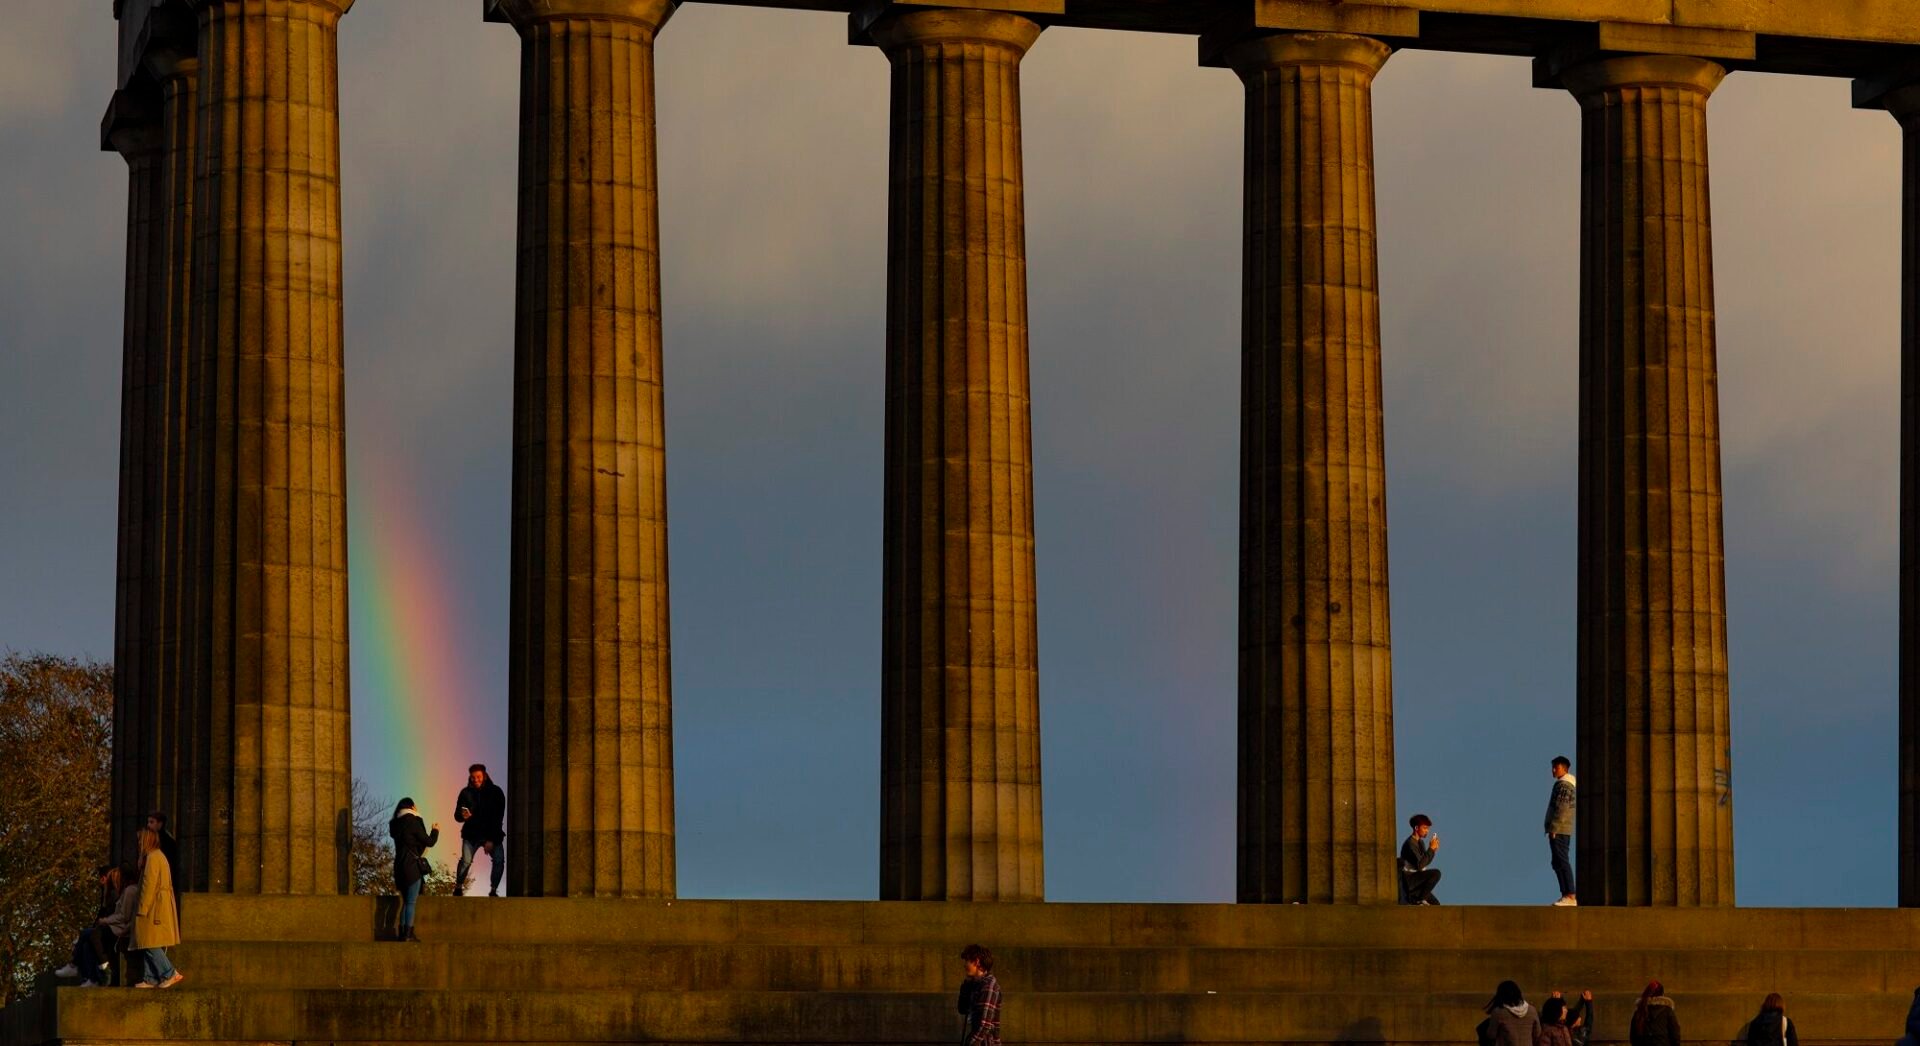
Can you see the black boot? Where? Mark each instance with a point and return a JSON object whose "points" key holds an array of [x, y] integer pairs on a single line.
{"points": [[406, 934]]}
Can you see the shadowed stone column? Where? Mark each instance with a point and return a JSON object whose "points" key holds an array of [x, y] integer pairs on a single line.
{"points": [[1316, 801], [1655, 813], [1904, 104], [960, 715], [590, 713], [134, 127], [156, 135], [267, 448]]}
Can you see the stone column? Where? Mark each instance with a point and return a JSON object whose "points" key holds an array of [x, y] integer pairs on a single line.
{"points": [[590, 730], [1316, 799], [266, 443], [1904, 104], [135, 128], [151, 123], [1655, 812], [960, 716]]}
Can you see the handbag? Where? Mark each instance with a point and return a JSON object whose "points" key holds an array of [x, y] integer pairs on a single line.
{"points": [[426, 867]]}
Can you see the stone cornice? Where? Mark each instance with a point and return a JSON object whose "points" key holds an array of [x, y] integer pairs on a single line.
{"points": [[652, 14]]}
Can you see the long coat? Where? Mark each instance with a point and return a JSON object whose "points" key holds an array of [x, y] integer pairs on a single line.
{"points": [[157, 922], [410, 842]]}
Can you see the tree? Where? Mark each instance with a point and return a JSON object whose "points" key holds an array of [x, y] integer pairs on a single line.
{"points": [[56, 731]]}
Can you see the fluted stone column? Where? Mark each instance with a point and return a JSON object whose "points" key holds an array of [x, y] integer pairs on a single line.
{"points": [[268, 452], [960, 718], [1904, 104], [176, 781], [590, 713], [1655, 809], [1316, 799], [136, 129]]}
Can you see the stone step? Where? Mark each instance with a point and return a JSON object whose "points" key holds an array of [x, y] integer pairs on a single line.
{"points": [[401, 1015], [616, 920], [439, 965]]}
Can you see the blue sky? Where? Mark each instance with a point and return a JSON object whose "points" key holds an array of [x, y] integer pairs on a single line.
{"points": [[773, 167]]}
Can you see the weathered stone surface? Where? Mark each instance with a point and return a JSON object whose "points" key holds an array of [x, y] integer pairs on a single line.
{"points": [[1654, 755], [590, 716], [306, 969], [1316, 800], [1904, 104], [151, 375], [960, 719], [263, 766]]}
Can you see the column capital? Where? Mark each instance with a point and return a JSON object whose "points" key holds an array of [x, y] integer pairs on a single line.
{"points": [[168, 64], [132, 124], [1903, 103], [338, 7], [1592, 79], [650, 14], [1277, 50], [895, 29]]}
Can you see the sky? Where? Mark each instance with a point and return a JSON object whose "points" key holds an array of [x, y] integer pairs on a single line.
{"points": [[772, 144]]}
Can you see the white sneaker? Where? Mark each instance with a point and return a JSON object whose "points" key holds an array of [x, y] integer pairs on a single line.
{"points": [[1567, 902], [91, 984], [69, 970]]}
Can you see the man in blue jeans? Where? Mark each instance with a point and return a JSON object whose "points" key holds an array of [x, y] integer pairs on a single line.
{"points": [[1560, 810], [481, 809]]}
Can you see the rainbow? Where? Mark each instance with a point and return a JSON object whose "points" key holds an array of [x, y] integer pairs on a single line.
{"points": [[419, 716]]}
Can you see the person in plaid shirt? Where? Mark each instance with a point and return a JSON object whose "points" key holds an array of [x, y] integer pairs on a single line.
{"points": [[979, 998]]}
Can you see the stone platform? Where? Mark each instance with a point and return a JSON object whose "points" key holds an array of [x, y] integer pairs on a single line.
{"points": [[313, 970]]}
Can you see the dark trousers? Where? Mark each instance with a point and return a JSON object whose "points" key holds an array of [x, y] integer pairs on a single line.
{"points": [[1562, 868], [468, 848], [1419, 885], [94, 952]]}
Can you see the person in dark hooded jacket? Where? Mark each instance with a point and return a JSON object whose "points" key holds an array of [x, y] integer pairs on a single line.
{"points": [[1771, 1026], [411, 839], [481, 811], [1511, 1020], [1654, 1022]]}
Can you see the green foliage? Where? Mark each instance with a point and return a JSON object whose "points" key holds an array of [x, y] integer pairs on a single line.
{"points": [[56, 729]]}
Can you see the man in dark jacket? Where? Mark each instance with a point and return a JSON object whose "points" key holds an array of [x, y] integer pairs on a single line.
{"points": [[1416, 879], [1560, 811], [481, 809]]}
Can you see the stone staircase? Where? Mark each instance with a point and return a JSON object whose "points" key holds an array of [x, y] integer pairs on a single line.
{"points": [[539, 970]]}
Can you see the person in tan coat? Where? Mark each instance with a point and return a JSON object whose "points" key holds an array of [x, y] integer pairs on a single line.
{"points": [[156, 925]]}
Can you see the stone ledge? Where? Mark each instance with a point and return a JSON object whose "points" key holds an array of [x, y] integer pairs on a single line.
{"points": [[929, 967], [867, 1019], [591, 920]]}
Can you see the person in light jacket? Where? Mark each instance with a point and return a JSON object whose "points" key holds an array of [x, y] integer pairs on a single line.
{"points": [[411, 840], [93, 952], [156, 924], [1561, 807]]}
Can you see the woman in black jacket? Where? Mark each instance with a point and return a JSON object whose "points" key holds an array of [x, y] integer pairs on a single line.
{"points": [[1771, 1027], [410, 842], [1654, 1022]]}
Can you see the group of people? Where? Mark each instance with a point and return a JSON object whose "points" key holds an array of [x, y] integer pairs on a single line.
{"points": [[1512, 1021], [481, 810], [1418, 877], [138, 916]]}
